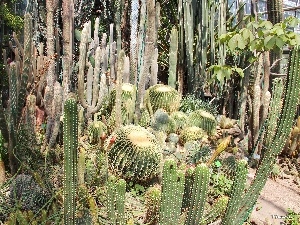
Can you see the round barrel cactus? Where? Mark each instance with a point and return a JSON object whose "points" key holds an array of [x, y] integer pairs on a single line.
{"points": [[163, 97], [180, 120], [134, 153], [191, 134], [204, 120]]}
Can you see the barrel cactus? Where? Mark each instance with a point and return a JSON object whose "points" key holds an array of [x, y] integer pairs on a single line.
{"points": [[191, 134], [134, 154], [162, 97], [163, 122], [204, 120], [180, 120]]}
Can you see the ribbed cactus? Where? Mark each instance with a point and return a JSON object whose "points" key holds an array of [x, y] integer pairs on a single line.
{"points": [[180, 119], [135, 153], [116, 200], [70, 142], [173, 58], [216, 210], [198, 194], [152, 203], [163, 97], [204, 120], [237, 191], [191, 134], [283, 129], [172, 193]]}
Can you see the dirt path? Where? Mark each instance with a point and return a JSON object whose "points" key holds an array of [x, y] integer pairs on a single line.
{"points": [[276, 197]]}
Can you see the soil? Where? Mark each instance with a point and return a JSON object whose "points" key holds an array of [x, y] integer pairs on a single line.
{"points": [[277, 196]]}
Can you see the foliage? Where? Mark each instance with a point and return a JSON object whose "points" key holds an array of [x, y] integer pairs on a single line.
{"points": [[292, 218], [258, 37], [13, 21], [191, 103], [220, 185]]}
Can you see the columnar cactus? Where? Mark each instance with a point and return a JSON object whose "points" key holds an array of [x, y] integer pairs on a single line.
{"points": [[173, 58], [283, 129], [70, 142], [237, 191], [198, 194], [116, 200], [172, 193], [204, 120], [96, 80], [152, 203], [135, 153], [2, 165]]}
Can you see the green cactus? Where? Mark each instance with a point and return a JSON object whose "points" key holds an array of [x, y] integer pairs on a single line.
{"points": [[116, 200], [237, 191], [173, 58], [215, 211], [152, 202], [283, 129], [172, 193], [70, 141], [2, 155], [180, 119], [191, 134], [161, 121], [163, 97], [95, 130], [198, 194], [135, 153], [145, 120], [204, 120]]}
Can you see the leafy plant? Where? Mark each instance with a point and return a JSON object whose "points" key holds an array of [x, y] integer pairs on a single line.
{"points": [[292, 218]]}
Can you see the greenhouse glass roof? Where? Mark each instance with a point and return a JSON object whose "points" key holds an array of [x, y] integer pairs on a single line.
{"points": [[291, 8]]}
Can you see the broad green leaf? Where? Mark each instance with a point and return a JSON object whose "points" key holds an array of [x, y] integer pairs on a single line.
{"points": [[279, 42], [233, 43], [239, 71], [269, 42], [279, 31], [267, 24], [241, 41]]}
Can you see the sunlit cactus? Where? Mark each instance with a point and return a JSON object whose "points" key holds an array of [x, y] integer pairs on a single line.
{"points": [[135, 153]]}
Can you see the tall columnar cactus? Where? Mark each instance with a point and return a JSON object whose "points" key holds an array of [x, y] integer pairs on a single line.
{"points": [[283, 129], [70, 141], [91, 97], [135, 153], [2, 155], [237, 191], [198, 194], [172, 193], [133, 43], [275, 15], [152, 203], [116, 200], [173, 58]]}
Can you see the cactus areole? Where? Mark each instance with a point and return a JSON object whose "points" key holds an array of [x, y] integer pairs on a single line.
{"points": [[134, 154]]}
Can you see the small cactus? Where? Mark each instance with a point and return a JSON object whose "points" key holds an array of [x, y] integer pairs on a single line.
{"points": [[204, 120], [191, 134]]}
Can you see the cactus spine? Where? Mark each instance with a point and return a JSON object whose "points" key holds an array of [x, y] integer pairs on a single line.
{"points": [[198, 194], [237, 192], [116, 200], [70, 141], [172, 193]]}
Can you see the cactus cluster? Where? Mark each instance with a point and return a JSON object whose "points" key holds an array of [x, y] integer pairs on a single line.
{"points": [[161, 121], [180, 119], [204, 120], [135, 153], [192, 133]]}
